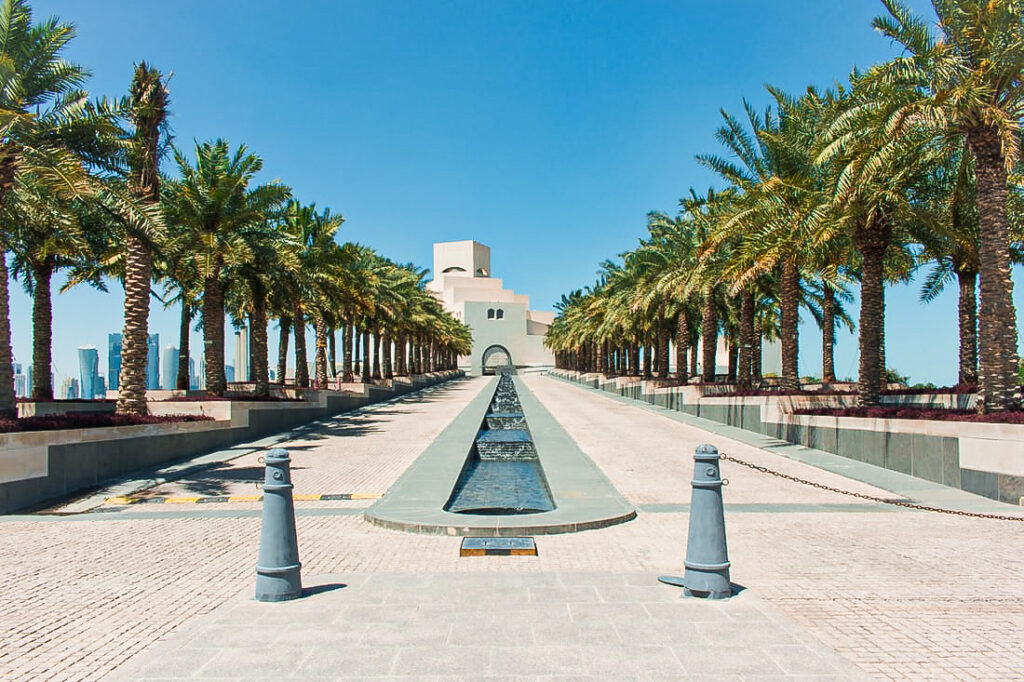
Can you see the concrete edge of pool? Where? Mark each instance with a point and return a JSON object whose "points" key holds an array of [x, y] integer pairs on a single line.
{"points": [[584, 497]]}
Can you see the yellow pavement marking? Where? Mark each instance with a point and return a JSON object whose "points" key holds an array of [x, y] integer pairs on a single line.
{"points": [[305, 497]]}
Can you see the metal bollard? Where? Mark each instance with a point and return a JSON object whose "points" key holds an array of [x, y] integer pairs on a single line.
{"points": [[278, 576], [707, 557]]}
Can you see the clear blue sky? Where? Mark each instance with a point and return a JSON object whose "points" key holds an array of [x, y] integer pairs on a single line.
{"points": [[546, 130]]}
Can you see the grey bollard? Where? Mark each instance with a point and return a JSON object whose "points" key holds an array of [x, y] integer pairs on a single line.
{"points": [[707, 557], [278, 576]]}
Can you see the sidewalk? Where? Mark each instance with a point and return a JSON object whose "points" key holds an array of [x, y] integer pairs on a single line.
{"points": [[164, 590]]}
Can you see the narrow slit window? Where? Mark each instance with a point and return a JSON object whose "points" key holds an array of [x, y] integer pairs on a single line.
{"points": [[501, 314]]}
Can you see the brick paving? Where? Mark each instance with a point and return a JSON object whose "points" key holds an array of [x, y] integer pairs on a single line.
{"points": [[903, 595]]}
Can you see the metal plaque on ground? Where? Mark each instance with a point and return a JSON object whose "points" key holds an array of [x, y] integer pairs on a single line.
{"points": [[498, 547]]}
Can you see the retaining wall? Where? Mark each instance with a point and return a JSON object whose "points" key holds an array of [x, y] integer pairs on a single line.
{"points": [[986, 459], [40, 466]]}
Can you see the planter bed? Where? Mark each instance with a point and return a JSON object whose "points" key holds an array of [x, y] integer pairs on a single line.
{"points": [[91, 420], [900, 412]]}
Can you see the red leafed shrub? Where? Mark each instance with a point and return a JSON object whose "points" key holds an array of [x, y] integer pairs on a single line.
{"points": [[91, 420], [900, 412], [240, 397]]}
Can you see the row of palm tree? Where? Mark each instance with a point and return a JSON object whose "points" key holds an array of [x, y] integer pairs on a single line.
{"points": [[81, 190], [912, 163]]}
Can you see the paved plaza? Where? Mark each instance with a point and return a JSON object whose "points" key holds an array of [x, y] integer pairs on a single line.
{"points": [[835, 587]]}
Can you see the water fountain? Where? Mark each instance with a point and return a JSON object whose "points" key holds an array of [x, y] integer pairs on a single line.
{"points": [[502, 474]]}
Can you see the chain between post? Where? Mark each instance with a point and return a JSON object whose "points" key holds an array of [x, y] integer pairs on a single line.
{"points": [[872, 498]]}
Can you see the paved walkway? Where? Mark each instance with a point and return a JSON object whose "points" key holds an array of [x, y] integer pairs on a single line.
{"points": [[162, 591]]}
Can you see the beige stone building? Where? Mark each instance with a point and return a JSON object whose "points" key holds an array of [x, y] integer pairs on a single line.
{"points": [[505, 330]]}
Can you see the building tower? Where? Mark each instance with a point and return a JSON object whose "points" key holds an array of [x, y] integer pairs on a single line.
{"points": [[243, 360], [153, 363], [170, 367], [113, 361], [88, 371]]}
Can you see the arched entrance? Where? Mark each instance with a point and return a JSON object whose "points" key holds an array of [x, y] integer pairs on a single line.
{"points": [[494, 358]]}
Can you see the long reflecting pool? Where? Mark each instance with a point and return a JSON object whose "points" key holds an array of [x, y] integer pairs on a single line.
{"points": [[502, 473]]}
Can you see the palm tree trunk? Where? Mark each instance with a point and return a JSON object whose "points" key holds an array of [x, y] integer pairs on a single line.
{"points": [[997, 320], [634, 359], [301, 361], [968, 324], [376, 354], [682, 336], [356, 355], [872, 244], [259, 353], [790, 323], [366, 356], [131, 395], [8, 401], [400, 369], [213, 335], [285, 323], [647, 358], [828, 334], [321, 351], [332, 352], [388, 372], [663, 343], [149, 112], [42, 331], [693, 360], [734, 356], [744, 357], [347, 376], [181, 382], [755, 353], [709, 337]]}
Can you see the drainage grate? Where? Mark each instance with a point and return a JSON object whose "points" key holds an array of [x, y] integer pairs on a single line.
{"points": [[498, 547]]}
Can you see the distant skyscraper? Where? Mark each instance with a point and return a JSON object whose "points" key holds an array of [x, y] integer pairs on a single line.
{"points": [[153, 363], [69, 388], [20, 385], [242, 358], [101, 387], [170, 367], [193, 380], [88, 370], [201, 377], [28, 381], [113, 360], [229, 373]]}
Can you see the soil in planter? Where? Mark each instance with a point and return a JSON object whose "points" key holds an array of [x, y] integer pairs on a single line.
{"points": [[92, 420]]}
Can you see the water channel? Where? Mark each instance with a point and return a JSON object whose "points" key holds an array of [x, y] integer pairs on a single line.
{"points": [[502, 473]]}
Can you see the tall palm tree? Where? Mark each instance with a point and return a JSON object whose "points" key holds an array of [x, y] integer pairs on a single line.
{"points": [[968, 81], [215, 204], [40, 102], [148, 116]]}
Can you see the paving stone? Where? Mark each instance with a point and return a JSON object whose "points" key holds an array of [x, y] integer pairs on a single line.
{"points": [[168, 595]]}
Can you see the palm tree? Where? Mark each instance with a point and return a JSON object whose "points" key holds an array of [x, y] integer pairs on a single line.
{"points": [[40, 102], [214, 203], [968, 82], [148, 115], [46, 234]]}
